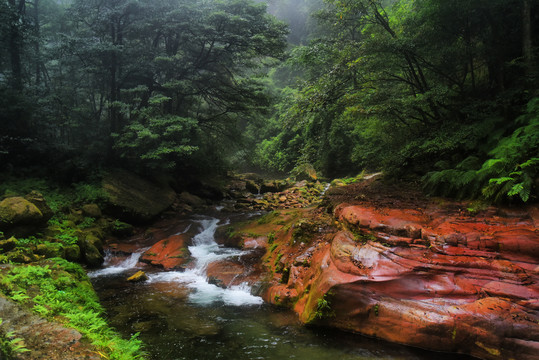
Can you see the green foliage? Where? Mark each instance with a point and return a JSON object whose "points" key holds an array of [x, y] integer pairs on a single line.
{"points": [[87, 223], [159, 141], [271, 237], [11, 345], [323, 307], [404, 87], [268, 218], [273, 247], [66, 231], [509, 173], [57, 198], [86, 193], [61, 290], [166, 86]]}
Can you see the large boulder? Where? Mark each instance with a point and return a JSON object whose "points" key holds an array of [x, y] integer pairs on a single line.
{"points": [[19, 216], [39, 201], [91, 210], [134, 199], [169, 253], [92, 250]]}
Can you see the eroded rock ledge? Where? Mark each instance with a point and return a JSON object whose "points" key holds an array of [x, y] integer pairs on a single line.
{"points": [[434, 277]]}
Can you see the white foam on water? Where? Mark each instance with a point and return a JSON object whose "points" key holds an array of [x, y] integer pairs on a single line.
{"points": [[205, 251], [128, 264]]}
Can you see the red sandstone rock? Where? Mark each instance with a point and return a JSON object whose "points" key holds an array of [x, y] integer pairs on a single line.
{"points": [[223, 273], [226, 273], [169, 253], [432, 278]]}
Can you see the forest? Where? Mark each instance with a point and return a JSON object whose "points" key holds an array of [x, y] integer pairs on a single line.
{"points": [[311, 149], [441, 91]]}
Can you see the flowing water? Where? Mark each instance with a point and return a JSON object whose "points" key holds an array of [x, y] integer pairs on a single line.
{"points": [[179, 315]]}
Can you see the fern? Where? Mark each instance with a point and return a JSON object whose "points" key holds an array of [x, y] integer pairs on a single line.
{"points": [[508, 174]]}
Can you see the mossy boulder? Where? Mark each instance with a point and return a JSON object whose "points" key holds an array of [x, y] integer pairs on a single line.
{"points": [[19, 216], [274, 186], [50, 250], [92, 250], [21, 255], [8, 245], [121, 229], [39, 201], [72, 253], [91, 210], [252, 186], [134, 199], [193, 201], [92, 256]]}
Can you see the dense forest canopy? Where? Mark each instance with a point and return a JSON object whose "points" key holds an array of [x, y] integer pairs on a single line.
{"points": [[154, 83], [445, 90]]}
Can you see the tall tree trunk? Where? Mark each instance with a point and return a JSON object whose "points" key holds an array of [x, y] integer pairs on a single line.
{"points": [[37, 50], [113, 109], [15, 44], [526, 35]]}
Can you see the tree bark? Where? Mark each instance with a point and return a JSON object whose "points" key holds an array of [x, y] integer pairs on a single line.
{"points": [[15, 44], [526, 35]]}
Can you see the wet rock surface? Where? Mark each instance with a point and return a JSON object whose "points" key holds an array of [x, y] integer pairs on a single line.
{"points": [[169, 253], [384, 261]]}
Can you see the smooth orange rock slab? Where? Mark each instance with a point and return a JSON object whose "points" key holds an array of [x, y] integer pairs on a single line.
{"points": [[169, 253], [457, 299], [406, 223]]}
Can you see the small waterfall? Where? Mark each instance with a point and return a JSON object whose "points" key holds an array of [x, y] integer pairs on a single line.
{"points": [[205, 251], [127, 264], [326, 188]]}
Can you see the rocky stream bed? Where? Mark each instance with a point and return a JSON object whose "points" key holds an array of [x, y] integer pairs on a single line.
{"points": [[371, 258]]}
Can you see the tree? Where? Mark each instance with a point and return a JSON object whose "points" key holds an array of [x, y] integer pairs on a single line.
{"points": [[412, 85]]}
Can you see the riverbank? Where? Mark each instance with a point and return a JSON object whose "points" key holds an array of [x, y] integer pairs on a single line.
{"points": [[363, 255], [381, 259]]}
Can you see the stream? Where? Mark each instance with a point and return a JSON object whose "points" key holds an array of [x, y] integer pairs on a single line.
{"points": [[179, 315]]}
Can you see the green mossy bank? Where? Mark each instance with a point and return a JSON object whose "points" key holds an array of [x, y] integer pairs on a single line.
{"points": [[47, 238]]}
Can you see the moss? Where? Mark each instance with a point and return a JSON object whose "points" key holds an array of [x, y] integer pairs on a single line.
{"points": [[285, 276], [268, 218], [273, 247], [304, 231], [60, 290], [50, 250], [323, 307], [271, 237]]}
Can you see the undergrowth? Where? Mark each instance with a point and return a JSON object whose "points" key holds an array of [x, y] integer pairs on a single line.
{"points": [[10, 344], [57, 198], [509, 172], [60, 290]]}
